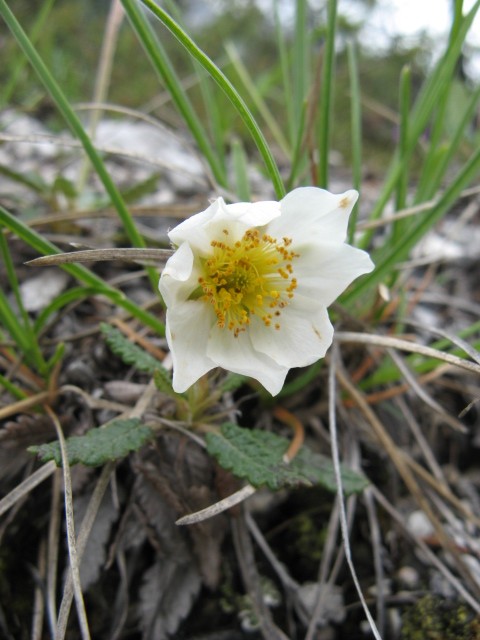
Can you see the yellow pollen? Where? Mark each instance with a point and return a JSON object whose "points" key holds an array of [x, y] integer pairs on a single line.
{"points": [[251, 276]]}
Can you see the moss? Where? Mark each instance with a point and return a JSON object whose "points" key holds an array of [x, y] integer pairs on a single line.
{"points": [[434, 618]]}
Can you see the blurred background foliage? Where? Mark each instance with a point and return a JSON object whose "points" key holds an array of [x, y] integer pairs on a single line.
{"points": [[69, 41]]}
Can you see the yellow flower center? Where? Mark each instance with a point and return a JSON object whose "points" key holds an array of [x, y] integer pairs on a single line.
{"points": [[253, 276]]}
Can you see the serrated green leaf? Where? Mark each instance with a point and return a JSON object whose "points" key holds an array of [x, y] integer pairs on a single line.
{"points": [[319, 470], [163, 382], [129, 352], [99, 445], [257, 456]]}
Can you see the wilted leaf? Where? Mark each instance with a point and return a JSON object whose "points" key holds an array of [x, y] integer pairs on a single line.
{"points": [[99, 445], [257, 456], [167, 595], [95, 552]]}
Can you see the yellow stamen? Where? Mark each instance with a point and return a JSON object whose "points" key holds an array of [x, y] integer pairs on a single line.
{"points": [[251, 276]]}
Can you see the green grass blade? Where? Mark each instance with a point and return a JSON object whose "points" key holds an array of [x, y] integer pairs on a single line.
{"points": [[62, 300], [257, 99], [18, 323], [426, 102], [390, 255], [12, 388], [9, 320], [240, 168], [298, 159], [44, 247], [166, 72], [300, 60], [76, 127], [288, 94], [446, 151], [405, 96], [20, 62], [356, 127], [227, 87], [438, 82], [326, 98]]}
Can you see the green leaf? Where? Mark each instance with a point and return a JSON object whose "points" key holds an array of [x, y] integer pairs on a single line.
{"points": [[99, 445], [257, 456], [319, 470], [163, 383], [129, 352]]}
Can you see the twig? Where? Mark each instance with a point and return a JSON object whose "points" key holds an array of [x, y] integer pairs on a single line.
{"points": [[37, 616], [85, 529], [423, 395], [333, 372], [72, 545], [377, 557], [26, 486], [53, 548], [220, 506], [405, 345], [246, 560]]}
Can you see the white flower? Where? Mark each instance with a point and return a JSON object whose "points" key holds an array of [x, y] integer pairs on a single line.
{"points": [[248, 286]]}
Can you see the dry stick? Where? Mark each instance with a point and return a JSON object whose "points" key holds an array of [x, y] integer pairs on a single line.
{"points": [[405, 345], [377, 557], [244, 550], [85, 529], [442, 489], [456, 340], [330, 551], [421, 440], [23, 405], [72, 546], [333, 371], [423, 395], [26, 486], [102, 79], [399, 461], [405, 213], [37, 617], [53, 547]]}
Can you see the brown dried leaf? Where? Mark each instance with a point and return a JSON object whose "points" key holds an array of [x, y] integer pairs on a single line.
{"points": [[95, 553], [16, 436], [166, 596], [183, 475], [170, 586]]}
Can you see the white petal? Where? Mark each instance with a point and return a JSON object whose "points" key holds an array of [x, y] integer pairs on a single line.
{"points": [[179, 277], [188, 328], [303, 338], [193, 225], [254, 214], [239, 356], [310, 214], [324, 271], [199, 230]]}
